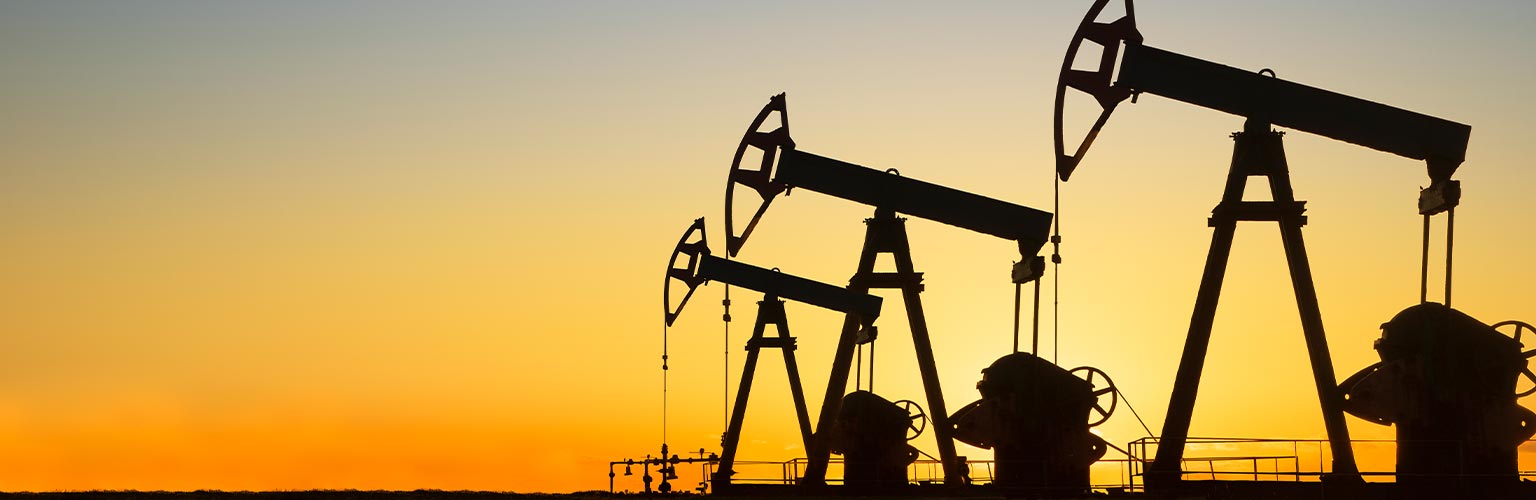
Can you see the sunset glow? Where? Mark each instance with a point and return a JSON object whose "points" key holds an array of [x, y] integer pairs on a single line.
{"points": [[380, 245]]}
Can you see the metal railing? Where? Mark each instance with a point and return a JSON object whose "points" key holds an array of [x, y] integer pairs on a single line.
{"points": [[922, 471], [1205, 458], [1253, 459]]}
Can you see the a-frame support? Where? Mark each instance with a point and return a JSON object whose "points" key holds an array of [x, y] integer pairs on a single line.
{"points": [[770, 311], [884, 233], [1258, 151]]}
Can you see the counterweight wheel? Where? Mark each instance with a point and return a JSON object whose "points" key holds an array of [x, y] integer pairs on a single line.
{"points": [[1102, 387], [1519, 328], [1516, 329], [918, 419]]}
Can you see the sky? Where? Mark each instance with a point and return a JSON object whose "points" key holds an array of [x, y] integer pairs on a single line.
{"points": [[393, 245]]}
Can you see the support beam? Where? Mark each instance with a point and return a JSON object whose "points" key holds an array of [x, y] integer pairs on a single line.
{"points": [[1256, 152], [770, 311], [885, 233]]}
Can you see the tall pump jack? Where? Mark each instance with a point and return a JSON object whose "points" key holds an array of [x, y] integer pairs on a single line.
{"points": [[890, 194], [1264, 101], [692, 265]]}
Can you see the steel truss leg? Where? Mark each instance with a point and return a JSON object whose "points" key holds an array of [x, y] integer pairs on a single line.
{"points": [[1257, 152], [885, 233], [770, 311]]}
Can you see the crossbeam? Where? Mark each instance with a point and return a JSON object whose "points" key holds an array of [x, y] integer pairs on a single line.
{"points": [[786, 286], [1439, 142], [860, 184]]}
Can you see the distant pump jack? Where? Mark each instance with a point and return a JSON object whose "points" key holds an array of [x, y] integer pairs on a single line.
{"points": [[691, 265], [783, 167]]}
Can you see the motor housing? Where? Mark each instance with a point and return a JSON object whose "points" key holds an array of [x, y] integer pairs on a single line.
{"points": [[1035, 416], [1447, 381], [871, 435]]}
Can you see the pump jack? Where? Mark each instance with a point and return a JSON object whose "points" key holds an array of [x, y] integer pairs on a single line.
{"points": [[885, 233], [701, 267], [1264, 101]]}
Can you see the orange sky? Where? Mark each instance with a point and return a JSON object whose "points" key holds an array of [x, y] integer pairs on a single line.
{"points": [[363, 245]]}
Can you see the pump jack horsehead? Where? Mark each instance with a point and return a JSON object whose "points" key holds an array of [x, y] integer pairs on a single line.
{"points": [[1266, 101]]}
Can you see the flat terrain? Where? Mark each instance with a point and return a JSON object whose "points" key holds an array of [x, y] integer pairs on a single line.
{"points": [[315, 495]]}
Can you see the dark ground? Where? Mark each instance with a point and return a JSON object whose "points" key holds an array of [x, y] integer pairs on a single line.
{"points": [[1205, 490], [319, 495]]}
